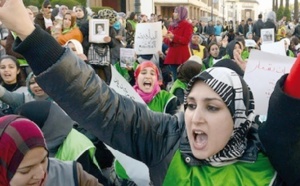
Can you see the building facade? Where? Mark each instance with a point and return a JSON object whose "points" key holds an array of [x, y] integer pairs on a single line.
{"points": [[205, 10]]}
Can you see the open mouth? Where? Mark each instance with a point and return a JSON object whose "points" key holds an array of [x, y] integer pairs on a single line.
{"points": [[147, 84], [200, 139]]}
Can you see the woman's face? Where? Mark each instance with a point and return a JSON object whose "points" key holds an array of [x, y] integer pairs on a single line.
{"points": [[35, 88], [147, 79], [209, 123], [99, 29], [33, 168], [214, 51], [79, 13], [175, 15], [196, 39], [67, 21], [64, 10], [9, 71]]}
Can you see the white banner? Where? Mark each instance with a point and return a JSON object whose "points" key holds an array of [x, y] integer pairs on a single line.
{"points": [[148, 38], [136, 170], [262, 72]]}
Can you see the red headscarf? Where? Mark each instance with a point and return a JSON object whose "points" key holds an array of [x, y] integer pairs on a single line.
{"points": [[147, 97], [17, 136]]}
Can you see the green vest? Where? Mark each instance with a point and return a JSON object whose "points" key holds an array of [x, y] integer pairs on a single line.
{"points": [[158, 104], [210, 63], [133, 24], [74, 146], [260, 172], [177, 85]]}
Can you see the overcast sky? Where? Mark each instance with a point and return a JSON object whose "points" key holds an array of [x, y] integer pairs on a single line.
{"points": [[265, 5]]}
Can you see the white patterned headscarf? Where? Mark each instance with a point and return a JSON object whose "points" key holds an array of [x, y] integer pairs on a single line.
{"points": [[239, 99]]}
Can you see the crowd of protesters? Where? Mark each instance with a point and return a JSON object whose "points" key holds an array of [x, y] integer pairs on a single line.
{"points": [[73, 118]]}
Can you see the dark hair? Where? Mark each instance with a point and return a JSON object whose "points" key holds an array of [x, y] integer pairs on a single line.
{"points": [[73, 18], [131, 16], [259, 16], [21, 76]]}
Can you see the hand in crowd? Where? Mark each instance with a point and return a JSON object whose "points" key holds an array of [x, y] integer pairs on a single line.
{"points": [[238, 59], [169, 35], [107, 39], [119, 37], [224, 42]]}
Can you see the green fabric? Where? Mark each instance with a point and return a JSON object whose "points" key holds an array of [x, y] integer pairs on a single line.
{"points": [[133, 24], [245, 54], [158, 104], [124, 71], [178, 85], [160, 101], [210, 63], [23, 62], [71, 149], [240, 173], [120, 171], [290, 53]]}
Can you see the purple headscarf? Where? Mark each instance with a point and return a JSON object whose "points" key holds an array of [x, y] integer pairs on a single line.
{"points": [[182, 15]]}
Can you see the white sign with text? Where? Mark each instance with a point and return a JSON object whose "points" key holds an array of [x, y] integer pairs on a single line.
{"points": [[262, 72], [148, 38]]}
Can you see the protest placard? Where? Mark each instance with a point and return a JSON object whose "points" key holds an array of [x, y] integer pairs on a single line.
{"points": [[127, 57], [267, 35], [121, 86], [274, 48], [148, 38], [136, 170], [262, 72], [98, 29]]}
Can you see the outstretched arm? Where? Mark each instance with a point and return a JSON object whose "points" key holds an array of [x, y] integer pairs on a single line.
{"points": [[86, 98]]}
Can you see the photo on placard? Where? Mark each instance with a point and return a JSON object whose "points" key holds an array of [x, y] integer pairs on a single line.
{"points": [[98, 29], [267, 35], [127, 57]]}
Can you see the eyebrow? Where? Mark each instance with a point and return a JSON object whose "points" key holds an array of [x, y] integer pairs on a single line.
{"points": [[29, 166], [205, 99]]}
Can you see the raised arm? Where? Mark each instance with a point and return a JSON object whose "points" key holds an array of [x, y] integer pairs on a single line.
{"points": [[116, 120]]}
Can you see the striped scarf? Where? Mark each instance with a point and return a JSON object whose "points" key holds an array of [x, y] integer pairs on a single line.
{"points": [[239, 99]]}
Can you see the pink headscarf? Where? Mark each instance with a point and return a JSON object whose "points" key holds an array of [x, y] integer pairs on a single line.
{"points": [[17, 137], [147, 97]]}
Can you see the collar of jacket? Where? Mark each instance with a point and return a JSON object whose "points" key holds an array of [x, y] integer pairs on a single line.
{"points": [[250, 154]]}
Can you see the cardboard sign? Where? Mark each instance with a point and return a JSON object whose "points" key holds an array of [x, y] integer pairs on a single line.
{"points": [[262, 72], [127, 57], [267, 35], [121, 86], [148, 38]]}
